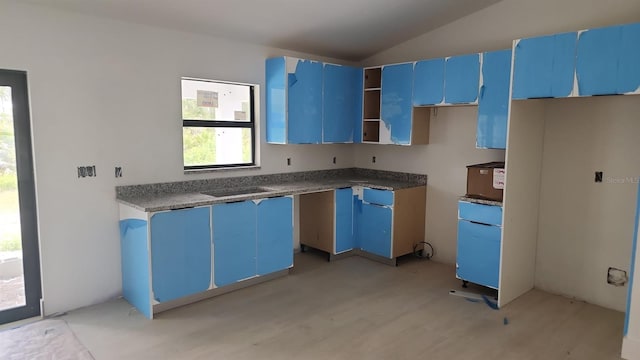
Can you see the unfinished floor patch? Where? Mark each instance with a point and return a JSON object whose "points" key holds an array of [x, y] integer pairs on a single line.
{"points": [[46, 339]]}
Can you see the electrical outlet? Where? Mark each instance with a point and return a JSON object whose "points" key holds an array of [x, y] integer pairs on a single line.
{"points": [[373, 159], [334, 159], [288, 161], [598, 177], [616, 277], [87, 171], [118, 171]]}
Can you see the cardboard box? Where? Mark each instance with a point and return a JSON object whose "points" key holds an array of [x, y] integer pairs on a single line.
{"points": [[486, 181]]}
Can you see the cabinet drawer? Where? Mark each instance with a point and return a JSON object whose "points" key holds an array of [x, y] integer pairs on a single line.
{"points": [[378, 197], [478, 256], [480, 213]]}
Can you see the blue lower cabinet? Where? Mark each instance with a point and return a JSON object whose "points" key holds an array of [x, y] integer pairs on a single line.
{"points": [[493, 102], [375, 229], [135, 264], [344, 220], [234, 242], [274, 235], [478, 257], [180, 253]]}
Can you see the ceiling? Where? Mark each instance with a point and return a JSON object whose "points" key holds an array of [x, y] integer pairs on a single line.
{"points": [[344, 29]]}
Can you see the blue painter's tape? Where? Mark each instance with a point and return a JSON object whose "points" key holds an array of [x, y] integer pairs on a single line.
{"points": [[396, 105], [634, 249], [378, 197], [480, 213], [305, 103], [135, 265], [428, 82], [493, 104], [276, 100], [461, 79]]}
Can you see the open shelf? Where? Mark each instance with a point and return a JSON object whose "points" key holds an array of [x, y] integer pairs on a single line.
{"points": [[372, 104], [372, 78], [371, 130]]}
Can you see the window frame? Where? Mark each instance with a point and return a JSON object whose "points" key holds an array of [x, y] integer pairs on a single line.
{"points": [[251, 124]]}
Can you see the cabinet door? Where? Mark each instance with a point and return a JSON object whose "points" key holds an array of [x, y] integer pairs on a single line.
{"points": [[344, 220], [478, 257], [135, 264], [461, 79], [544, 66], [180, 253], [342, 104], [428, 82], [274, 235], [375, 229], [607, 60], [304, 106], [493, 103], [234, 242], [276, 100], [396, 107]]}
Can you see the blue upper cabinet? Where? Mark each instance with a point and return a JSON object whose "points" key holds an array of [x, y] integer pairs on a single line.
{"points": [[493, 102], [607, 60], [304, 101], [396, 105], [342, 104], [428, 82], [294, 101], [180, 253], [544, 66], [234, 242], [462, 76], [274, 235]]}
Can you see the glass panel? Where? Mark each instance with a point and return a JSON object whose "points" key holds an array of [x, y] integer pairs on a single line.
{"points": [[216, 146], [11, 271], [207, 100]]}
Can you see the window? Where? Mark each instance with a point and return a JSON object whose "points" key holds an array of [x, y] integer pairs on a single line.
{"points": [[218, 127]]}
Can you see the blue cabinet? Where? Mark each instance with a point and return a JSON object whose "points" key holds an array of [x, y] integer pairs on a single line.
{"points": [[544, 66], [274, 235], [310, 102], [479, 237], [294, 101], [428, 82], [180, 253], [396, 105], [493, 102], [135, 264], [607, 60], [344, 220], [462, 76], [251, 238], [375, 229], [234, 242], [342, 104]]}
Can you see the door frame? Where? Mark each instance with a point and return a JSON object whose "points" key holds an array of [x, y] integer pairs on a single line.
{"points": [[17, 80]]}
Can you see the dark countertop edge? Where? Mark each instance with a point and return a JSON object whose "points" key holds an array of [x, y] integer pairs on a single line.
{"points": [[300, 188], [480, 201]]}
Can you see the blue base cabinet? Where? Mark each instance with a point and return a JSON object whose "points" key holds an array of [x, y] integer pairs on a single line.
{"points": [[344, 220], [375, 229], [251, 238], [479, 239]]}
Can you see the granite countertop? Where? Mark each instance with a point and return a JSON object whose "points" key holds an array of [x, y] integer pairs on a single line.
{"points": [[481, 201], [169, 196]]}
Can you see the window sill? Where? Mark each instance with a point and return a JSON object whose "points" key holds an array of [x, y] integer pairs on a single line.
{"points": [[215, 170]]}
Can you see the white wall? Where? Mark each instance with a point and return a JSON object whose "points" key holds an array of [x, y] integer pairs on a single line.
{"points": [[107, 93], [492, 28], [586, 227]]}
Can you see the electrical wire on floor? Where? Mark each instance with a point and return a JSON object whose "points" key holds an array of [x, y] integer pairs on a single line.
{"points": [[423, 253]]}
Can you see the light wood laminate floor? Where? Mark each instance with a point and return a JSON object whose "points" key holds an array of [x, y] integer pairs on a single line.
{"points": [[355, 309]]}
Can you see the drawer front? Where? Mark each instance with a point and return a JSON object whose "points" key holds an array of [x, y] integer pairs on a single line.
{"points": [[478, 255], [378, 197], [480, 213]]}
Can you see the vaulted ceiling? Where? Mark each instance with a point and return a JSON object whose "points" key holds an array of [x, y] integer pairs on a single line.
{"points": [[345, 29]]}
